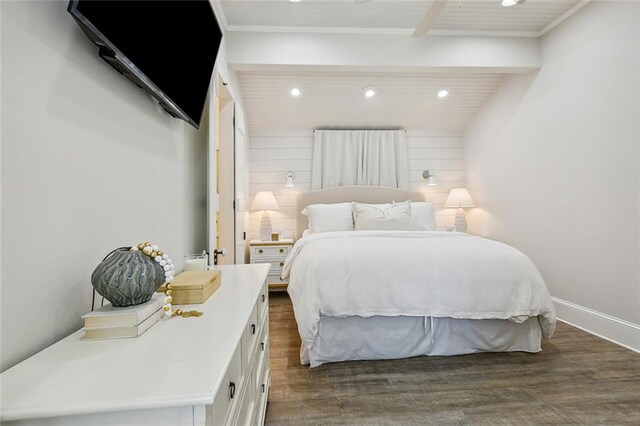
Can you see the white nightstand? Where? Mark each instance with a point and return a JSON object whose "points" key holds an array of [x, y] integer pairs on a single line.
{"points": [[275, 253]]}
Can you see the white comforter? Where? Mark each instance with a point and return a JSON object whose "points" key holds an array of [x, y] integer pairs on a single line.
{"points": [[412, 273]]}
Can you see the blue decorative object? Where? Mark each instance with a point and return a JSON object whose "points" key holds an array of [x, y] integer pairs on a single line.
{"points": [[127, 278]]}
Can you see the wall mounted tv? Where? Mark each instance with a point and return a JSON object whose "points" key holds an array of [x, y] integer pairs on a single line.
{"points": [[167, 48]]}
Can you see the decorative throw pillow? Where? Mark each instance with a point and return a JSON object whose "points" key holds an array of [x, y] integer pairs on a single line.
{"points": [[396, 216], [329, 217], [424, 216]]}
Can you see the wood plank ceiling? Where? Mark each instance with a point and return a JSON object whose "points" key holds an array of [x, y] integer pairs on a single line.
{"points": [[490, 16], [335, 100], [400, 16]]}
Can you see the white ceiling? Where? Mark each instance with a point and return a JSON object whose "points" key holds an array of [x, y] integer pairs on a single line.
{"points": [[400, 16], [335, 100]]}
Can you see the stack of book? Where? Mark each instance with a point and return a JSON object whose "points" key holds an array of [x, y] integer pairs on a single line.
{"points": [[109, 322]]}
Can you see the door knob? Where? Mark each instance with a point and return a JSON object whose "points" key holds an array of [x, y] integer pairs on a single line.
{"points": [[222, 252]]}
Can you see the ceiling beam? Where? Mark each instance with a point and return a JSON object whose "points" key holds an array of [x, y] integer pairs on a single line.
{"points": [[363, 30], [430, 18], [377, 53]]}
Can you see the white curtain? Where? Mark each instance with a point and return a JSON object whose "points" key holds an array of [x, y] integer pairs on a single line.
{"points": [[359, 157]]}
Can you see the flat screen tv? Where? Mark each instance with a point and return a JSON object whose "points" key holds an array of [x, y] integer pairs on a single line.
{"points": [[166, 47]]}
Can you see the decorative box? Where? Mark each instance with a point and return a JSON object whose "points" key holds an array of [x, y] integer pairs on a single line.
{"points": [[192, 287]]}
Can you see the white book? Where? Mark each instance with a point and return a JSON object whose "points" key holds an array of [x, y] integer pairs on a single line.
{"points": [[122, 332], [110, 316]]}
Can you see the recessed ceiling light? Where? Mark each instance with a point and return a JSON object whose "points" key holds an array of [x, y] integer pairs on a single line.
{"points": [[295, 1], [442, 92], [295, 92], [369, 92], [509, 3]]}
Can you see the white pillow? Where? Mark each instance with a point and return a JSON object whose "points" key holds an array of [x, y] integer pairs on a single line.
{"points": [[396, 216], [329, 217], [423, 213]]}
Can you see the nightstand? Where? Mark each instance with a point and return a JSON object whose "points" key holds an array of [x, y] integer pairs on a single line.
{"points": [[275, 253]]}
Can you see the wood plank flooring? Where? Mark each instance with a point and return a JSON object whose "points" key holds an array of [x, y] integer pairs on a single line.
{"points": [[577, 379]]}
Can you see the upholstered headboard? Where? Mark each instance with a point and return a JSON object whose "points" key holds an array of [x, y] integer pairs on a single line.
{"points": [[342, 194]]}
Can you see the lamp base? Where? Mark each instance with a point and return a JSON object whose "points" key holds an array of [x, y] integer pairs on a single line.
{"points": [[460, 222], [265, 226]]}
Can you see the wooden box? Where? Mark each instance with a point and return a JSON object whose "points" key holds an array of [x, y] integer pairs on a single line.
{"points": [[192, 287]]}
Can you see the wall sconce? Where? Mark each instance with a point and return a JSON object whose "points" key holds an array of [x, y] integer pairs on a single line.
{"points": [[290, 177], [429, 177]]}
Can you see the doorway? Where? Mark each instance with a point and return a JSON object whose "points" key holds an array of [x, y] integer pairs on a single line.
{"points": [[225, 229]]}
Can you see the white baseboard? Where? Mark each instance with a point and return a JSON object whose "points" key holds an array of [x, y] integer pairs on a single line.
{"points": [[616, 330]]}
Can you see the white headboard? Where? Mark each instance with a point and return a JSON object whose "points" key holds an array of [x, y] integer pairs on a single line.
{"points": [[342, 194]]}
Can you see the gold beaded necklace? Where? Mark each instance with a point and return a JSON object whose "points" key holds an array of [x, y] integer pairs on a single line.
{"points": [[163, 260]]}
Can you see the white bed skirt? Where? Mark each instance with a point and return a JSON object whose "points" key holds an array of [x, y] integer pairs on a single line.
{"points": [[357, 338]]}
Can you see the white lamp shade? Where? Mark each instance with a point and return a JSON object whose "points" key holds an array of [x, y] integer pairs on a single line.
{"points": [[459, 197], [265, 200]]}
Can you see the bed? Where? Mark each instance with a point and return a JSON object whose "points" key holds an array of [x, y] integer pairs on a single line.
{"points": [[385, 294]]}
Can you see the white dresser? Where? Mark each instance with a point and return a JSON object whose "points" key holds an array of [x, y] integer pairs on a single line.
{"points": [[212, 370]]}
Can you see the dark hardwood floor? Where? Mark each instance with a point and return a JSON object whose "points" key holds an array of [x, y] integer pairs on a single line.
{"points": [[577, 379]]}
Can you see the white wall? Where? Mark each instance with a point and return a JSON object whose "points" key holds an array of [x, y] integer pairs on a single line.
{"points": [[272, 155], [88, 164], [553, 159]]}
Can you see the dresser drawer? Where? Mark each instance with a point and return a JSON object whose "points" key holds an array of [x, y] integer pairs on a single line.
{"points": [[265, 382], [262, 358], [229, 390], [262, 395], [263, 302], [261, 347], [245, 404], [270, 251]]}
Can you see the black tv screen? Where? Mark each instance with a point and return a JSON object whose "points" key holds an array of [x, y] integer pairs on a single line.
{"points": [[166, 47]]}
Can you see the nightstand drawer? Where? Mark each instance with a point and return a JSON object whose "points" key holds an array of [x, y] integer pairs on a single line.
{"points": [[270, 251], [275, 279]]}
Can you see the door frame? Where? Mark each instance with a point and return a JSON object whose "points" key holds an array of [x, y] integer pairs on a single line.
{"points": [[219, 90]]}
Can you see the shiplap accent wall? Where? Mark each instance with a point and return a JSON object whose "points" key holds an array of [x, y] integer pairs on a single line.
{"points": [[272, 155]]}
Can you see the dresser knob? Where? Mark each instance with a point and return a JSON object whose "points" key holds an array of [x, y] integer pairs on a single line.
{"points": [[253, 329], [263, 388], [281, 264], [263, 298], [281, 250], [260, 251], [232, 390], [262, 346]]}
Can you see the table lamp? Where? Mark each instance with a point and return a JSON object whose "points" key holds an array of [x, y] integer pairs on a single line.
{"points": [[265, 200], [459, 198]]}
